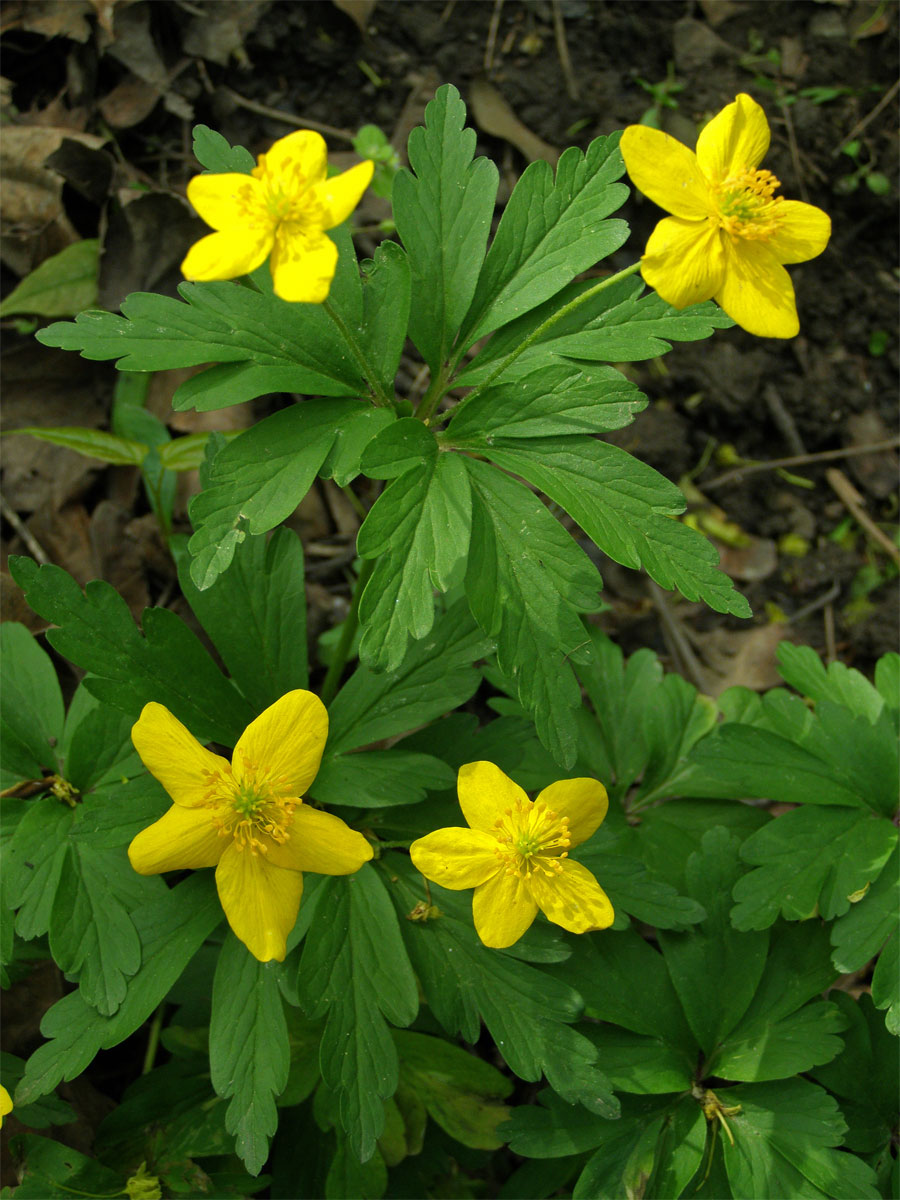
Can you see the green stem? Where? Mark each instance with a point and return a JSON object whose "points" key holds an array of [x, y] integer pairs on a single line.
{"points": [[537, 334], [153, 1040], [379, 395], [434, 395], [348, 633]]}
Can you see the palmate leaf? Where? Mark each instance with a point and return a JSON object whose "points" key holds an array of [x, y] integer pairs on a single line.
{"points": [[165, 663], [443, 214], [527, 1012], [527, 581], [249, 1052], [256, 616], [258, 480], [811, 859], [619, 324], [355, 972], [784, 1139], [31, 719], [550, 231], [418, 529], [171, 930], [870, 929], [386, 300], [625, 507]]}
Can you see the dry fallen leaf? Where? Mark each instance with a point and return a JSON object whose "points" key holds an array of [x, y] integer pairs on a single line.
{"points": [[52, 18], [358, 11], [494, 116]]}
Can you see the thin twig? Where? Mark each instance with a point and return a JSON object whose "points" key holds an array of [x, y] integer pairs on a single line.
{"points": [[674, 634], [830, 644], [853, 501], [34, 546], [799, 460], [795, 152], [783, 419], [492, 36], [562, 49], [814, 605], [287, 118], [861, 125]]}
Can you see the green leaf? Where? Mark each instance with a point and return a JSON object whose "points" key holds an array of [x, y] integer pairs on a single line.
{"points": [[526, 1010], [256, 616], [527, 580], [92, 443], [460, 1092], [399, 448], [640, 1062], [436, 676], [626, 508], [386, 305], [115, 813], [810, 859], [171, 930], [249, 1054], [624, 980], [550, 231], [236, 382], [92, 934], [354, 969], [187, 453], [167, 664], [419, 531], [31, 718], [864, 1075], [551, 401], [352, 439], [715, 969], [618, 324], [214, 153], [886, 983], [783, 1144], [218, 323], [802, 668], [443, 214], [99, 745], [887, 679], [633, 890], [260, 478], [50, 1169], [61, 286], [773, 1040], [33, 864], [860, 933], [380, 778]]}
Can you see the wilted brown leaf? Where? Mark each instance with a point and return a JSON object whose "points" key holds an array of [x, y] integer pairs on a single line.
{"points": [[358, 11], [494, 116]]}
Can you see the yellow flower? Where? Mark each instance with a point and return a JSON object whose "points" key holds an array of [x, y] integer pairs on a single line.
{"points": [[515, 854], [282, 207], [6, 1104], [729, 233], [246, 818]]}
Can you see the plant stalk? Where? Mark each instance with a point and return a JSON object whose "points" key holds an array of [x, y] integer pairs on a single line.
{"points": [[348, 633], [379, 395]]}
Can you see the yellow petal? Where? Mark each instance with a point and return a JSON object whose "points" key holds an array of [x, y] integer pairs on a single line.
{"points": [[172, 754], [321, 842], [502, 908], [583, 801], [736, 138], [485, 794], [303, 264], [573, 899], [6, 1104], [684, 261], [340, 194], [802, 232], [182, 839], [456, 858], [295, 162], [226, 255], [285, 742], [261, 901], [757, 291], [665, 170], [226, 201]]}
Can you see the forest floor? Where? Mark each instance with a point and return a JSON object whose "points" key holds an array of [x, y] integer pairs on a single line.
{"points": [[99, 98]]}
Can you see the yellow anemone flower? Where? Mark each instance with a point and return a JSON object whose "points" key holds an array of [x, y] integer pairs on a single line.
{"points": [[246, 817], [6, 1104], [282, 208], [729, 234], [515, 854]]}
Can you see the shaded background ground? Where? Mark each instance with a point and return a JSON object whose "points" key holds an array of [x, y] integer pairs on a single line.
{"points": [[99, 100]]}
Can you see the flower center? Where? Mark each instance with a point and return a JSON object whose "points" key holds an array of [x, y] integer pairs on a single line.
{"points": [[287, 195], [532, 838], [252, 810], [746, 206]]}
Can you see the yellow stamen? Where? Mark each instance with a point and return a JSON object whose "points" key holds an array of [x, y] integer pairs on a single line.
{"points": [[532, 839], [745, 205], [254, 810]]}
